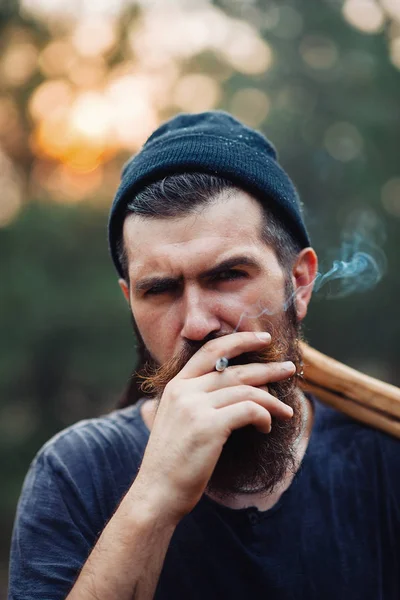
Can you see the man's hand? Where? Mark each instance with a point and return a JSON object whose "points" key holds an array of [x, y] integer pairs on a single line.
{"points": [[198, 411]]}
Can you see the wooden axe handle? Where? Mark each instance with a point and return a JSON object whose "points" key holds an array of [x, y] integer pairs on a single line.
{"points": [[361, 396]]}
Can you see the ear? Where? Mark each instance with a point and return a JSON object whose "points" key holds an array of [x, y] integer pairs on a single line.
{"points": [[125, 289], [303, 276]]}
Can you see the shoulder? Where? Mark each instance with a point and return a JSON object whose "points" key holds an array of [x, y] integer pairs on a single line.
{"points": [[110, 431], [70, 492], [88, 466], [359, 447], [332, 422], [109, 447]]}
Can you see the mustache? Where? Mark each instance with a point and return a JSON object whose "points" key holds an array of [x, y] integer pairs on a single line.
{"points": [[153, 378]]}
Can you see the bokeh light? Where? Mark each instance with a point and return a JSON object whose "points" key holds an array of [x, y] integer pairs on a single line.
{"points": [[390, 196], [392, 8], [250, 105], [49, 98], [72, 8], [11, 191], [395, 52], [196, 92], [94, 36], [91, 116], [167, 32], [45, 8], [289, 23], [133, 114], [57, 58], [343, 141], [9, 117], [88, 73], [67, 185], [366, 15], [103, 91], [246, 51], [319, 52], [93, 104], [18, 64]]}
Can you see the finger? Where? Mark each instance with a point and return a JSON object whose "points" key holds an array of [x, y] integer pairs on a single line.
{"points": [[242, 393], [241, 414], [251, 374], [229, 345]]}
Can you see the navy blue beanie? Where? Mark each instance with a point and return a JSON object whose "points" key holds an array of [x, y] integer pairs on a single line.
{"points": [[211, 142]]}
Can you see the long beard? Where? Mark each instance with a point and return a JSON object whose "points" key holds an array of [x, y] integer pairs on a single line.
{"points": [[250, 461]]}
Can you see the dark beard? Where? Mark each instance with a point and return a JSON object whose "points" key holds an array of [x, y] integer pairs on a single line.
{"points": [[250, 461]]}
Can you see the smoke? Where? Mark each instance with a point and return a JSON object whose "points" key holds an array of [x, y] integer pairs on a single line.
{"points": [[361, 261], [360, 266], [357, 274]]}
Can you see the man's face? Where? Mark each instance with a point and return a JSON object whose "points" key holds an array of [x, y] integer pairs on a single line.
{"points": [[175, 296], [209, 274]]}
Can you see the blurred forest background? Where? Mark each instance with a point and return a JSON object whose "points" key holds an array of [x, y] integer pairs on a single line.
{"points": [[82, 85]]}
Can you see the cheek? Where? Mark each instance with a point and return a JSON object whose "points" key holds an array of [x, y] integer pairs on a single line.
{"points": [[231, 311], [254, 304], [158, 329]]}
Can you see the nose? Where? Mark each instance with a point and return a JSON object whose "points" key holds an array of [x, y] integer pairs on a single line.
{"points": [[198, 318]]}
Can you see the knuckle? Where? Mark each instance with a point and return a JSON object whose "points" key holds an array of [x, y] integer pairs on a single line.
{"points": [[186, 410], [251, 409], [270, 369], [202, 430], [257, 412], [255, 393], [173, 390]]}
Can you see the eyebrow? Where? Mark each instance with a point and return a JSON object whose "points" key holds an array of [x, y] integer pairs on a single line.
{"points": [[242, 260]]}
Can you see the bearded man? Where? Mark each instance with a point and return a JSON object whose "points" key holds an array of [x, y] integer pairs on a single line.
{"points": [[217, 478]]}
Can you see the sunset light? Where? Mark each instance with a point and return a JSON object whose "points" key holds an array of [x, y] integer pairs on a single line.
{"points": [[98, 84]]}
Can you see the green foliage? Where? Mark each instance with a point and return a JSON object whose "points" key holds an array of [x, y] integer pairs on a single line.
{"points": [[66, 343]]}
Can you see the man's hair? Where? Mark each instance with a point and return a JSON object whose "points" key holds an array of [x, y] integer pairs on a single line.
{"points": [[179, 195]]}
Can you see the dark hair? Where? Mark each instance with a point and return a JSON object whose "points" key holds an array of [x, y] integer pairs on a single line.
{"points": [[179, 195]]}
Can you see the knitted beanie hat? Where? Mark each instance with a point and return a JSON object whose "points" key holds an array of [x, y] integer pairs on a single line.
{"points": [[211, 142]]}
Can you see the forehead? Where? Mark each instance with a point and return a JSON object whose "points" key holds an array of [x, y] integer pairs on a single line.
{"points": [[231, 223]]}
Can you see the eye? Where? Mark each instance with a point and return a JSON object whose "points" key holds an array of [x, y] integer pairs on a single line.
{"points": [[160, 288], [230, 275]]}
